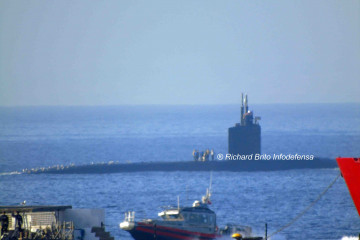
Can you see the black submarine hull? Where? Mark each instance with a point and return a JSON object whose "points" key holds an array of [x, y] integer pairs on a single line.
{"points": [[225, 165]]}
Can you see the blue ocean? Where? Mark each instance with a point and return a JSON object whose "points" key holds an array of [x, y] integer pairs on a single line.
{"points": [[32, 137]]}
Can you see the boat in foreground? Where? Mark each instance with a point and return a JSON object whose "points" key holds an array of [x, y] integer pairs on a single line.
{"points": [[195, 222], [350, 170]]}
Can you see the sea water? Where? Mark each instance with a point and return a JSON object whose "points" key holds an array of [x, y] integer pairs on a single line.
{"points": [[46, 136]]}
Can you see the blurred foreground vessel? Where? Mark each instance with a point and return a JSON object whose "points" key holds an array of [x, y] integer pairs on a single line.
{"points": [[195, 222], [52, 223], [350, 170]]}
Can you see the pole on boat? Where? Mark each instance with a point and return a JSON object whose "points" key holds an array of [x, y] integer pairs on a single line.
{"points": [[265, 231], [246, 104]]}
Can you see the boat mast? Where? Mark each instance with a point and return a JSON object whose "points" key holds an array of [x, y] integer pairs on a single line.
{"points": [[178, 201]]}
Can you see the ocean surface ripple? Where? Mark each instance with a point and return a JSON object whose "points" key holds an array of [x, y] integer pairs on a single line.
{"points": [[32, 137]]}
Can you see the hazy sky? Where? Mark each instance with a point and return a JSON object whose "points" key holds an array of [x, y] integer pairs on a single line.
{"points": [[178, 52]]}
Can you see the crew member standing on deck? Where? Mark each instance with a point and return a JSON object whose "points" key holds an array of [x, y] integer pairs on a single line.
{"points": [[212, 154], [18, 221], [196, 158], [207, 153], [4, 219]]}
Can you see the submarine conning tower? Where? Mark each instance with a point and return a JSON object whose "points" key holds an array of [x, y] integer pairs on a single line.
{"points": [[245, 137]]}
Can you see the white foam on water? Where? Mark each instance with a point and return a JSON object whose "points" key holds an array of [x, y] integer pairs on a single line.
{"points": [[350, 238], [9, 173]]}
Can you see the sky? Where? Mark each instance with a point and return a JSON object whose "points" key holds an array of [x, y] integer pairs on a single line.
{"points": [[178, 52]]}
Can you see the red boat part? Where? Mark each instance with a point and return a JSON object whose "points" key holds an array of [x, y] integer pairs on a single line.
{"points": [[350, 170]]}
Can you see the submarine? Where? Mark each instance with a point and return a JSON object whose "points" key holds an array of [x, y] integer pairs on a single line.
{"points": [[244, 154], [245, 137], [216, 165]]}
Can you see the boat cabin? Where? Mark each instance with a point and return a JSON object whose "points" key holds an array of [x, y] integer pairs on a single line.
{"points": [[200, 215]]}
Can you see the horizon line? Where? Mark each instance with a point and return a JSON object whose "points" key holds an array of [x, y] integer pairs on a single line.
{"points": [[161, 104]]}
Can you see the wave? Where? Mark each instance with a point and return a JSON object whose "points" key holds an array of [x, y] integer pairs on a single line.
{"points": [[350, 238], [10, 173]]}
